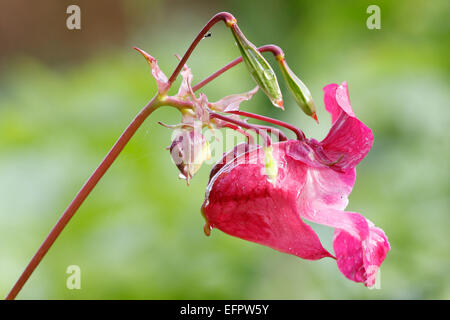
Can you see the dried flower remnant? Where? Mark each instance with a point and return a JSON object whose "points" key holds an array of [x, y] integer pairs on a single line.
{"points": [[189, 149]]}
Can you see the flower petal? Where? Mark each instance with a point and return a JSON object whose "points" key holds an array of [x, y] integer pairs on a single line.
{"points": [[324, 197], [160, 77], [201, 107], [323, 187], [241, 202], [360, 260], [185, 88], [359, 246], [306, 152], [232, 102], [227, 157], [336, 100], [349, 140]]}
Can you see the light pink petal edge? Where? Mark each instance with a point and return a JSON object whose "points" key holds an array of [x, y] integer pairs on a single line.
{"points": [[160, 77], [232, 102], [185, 87], [337, 99]]}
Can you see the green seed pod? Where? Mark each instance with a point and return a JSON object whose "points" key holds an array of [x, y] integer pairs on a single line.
{"points": [[300, 92], [258, 67]]}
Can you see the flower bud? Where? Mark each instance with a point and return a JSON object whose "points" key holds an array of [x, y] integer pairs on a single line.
{"points": [[259, 68], [271, 165], [189, 149], [300, 92]]}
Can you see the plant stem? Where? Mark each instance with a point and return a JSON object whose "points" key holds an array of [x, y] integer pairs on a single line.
{"points": [[83, 193], [279, 55], [280, 135], [300, 135], [277, 52], [221, 16], [260, 131], [249, 137]]}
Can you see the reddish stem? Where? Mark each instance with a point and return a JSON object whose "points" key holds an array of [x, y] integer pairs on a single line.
{"points": [[221, 16], [81, 196], [300, 135], [249, 137], [243, 124], [277, 52], [280, 135]]}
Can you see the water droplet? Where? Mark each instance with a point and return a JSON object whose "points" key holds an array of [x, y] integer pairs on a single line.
{"points": [[268, 75], [207, 229]]}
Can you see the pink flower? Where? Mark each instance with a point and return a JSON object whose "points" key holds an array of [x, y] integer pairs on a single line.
{"points": [[313, 183]]}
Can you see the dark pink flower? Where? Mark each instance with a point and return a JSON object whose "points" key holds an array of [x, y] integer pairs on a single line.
{"points": [[313, 183]]}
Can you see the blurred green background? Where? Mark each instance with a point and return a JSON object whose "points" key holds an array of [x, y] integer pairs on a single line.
{"points": [[65, 96]]}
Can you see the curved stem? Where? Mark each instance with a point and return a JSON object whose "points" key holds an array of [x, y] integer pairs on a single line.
{"points": [[221, 16], [82, 194], [300, 135], [249, 137], [243, 124], [280, 135], [276, 51]]}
